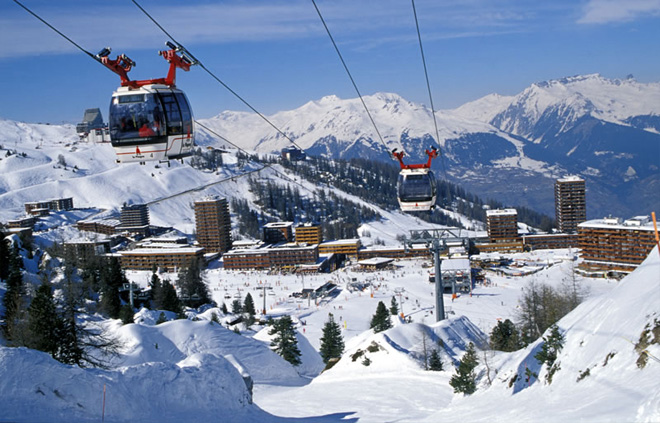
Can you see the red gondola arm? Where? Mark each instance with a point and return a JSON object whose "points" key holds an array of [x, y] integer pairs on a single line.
{"points": [[122, 65], [432, 153]]}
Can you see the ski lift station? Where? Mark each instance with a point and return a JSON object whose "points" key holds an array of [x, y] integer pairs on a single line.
{"points": [[456, 274]]}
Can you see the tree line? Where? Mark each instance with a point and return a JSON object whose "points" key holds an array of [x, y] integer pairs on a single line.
{"points": [[58, 317], [339, 217], [376, 181]]}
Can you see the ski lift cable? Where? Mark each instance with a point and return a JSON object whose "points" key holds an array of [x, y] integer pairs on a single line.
{"points": [[58, 32], [201, 65], [428, 86], [349, 75], [96, 59], [198, 123]]}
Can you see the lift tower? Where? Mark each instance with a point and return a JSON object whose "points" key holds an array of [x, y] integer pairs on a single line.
{"points": [[439, 241]]}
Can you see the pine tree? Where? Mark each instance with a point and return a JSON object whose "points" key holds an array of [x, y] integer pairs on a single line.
{"points": [[166, 299], [83, 345], [14, 298], [70, 349], [248, 305], [156, 286], [332, 342], [285, 342], [394, 307], [44, 324], [126, 314], [5, 252], [236, 307], [194, 291], [112, 278], [465, 380], [505, 337], [223, 308], [381, 320], [550, 349], [435, 362]]}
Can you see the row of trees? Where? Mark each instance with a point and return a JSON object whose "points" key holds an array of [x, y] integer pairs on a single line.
{"points": [[340, 217], [541, 306], [40, 321], [63, 325]]}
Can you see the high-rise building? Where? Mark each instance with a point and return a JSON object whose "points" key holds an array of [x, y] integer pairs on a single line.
{"points": [[213, 224], [570, 204], [134, 215], [502, 225], [134, 218]]}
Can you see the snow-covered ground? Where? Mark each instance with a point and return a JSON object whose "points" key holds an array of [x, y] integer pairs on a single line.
{"points": [[189, 370], [192, 370]]}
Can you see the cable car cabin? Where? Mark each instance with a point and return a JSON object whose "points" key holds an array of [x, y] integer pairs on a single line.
{"points": [[152, 122], [417, 190]]}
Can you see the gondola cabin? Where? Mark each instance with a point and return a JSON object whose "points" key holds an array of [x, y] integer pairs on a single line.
{"points": [[416, 186], [150, 119], [153, 122], [416, 190]]}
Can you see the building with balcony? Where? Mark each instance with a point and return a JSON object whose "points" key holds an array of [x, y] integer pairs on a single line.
{"points": [[213, 224], [502, 225], [134, 218], [276, 232], [348, 247], [169, 258], [309, 233], [570, 203], [611, 244]]}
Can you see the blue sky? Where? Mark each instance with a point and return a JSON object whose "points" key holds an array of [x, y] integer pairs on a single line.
{"points": [[277, 55]]}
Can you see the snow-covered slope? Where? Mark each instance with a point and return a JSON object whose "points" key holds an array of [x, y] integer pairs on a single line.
{"points": [[598, 379], [508, 148]]}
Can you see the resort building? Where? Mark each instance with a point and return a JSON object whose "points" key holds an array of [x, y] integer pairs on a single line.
{"points": [[570, 203], [276, 232], [213, 224], [613, 245], [309, 234]]}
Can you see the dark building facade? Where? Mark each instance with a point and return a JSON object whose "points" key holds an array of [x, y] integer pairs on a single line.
{"points": [[570, 203], [213, 224]]}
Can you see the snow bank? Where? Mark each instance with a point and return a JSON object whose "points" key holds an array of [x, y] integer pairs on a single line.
{"points": [[172, 341], [202, 387], [598, 379]]}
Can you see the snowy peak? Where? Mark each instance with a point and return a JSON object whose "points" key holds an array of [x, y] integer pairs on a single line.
{"points": [[341, 127], [610, 100]]}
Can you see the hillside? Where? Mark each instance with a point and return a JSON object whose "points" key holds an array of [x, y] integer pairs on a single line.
{"points": [[506, 147]]}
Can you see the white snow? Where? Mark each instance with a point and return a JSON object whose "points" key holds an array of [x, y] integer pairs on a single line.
{"points": [[187, 370]]}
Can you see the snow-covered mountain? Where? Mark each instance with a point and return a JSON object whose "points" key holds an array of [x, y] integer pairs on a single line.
{"points": [[511, 148], [610, 100], [508, 148]]}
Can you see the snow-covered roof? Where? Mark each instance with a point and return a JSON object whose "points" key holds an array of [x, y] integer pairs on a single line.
{"points": [[642, 223], [341, 241], [570, 178], [278, 225], [455, 264], [501, 212], [375, 261]]}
